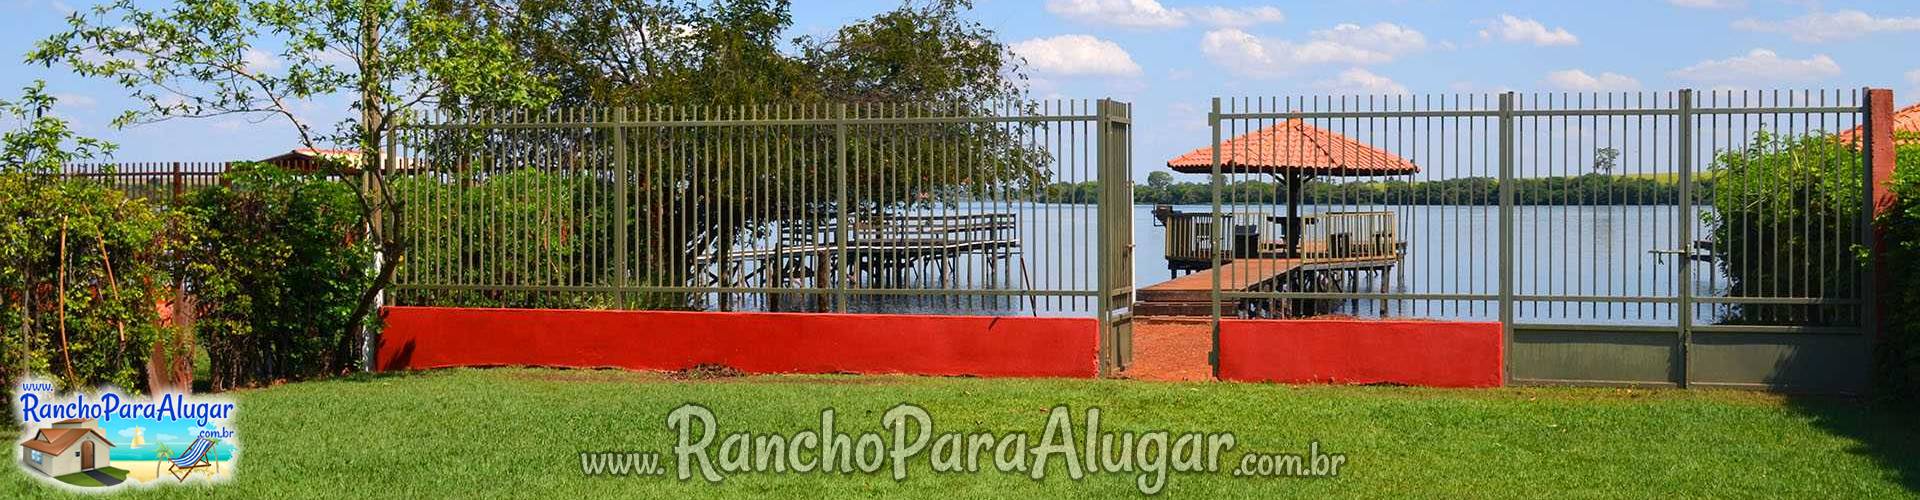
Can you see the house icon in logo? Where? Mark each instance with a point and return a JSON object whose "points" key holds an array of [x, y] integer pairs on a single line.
{"points": [[67, 447]]}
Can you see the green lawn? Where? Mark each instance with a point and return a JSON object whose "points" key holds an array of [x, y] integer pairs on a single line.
{"points": [[516, 433], [82, 479]]}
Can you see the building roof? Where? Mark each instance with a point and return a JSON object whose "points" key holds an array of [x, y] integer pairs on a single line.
{"points": [[57, 441], [1905, 121], [304, 155], [1293, 146]]}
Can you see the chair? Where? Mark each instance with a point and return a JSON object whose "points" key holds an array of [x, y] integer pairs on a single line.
{"points": [[194, 458]]}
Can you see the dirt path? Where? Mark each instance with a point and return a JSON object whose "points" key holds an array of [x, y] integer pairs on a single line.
{"points": [[1171, 350]]}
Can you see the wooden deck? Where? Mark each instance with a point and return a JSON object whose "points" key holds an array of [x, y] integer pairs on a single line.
{"points": [[1191, 295]]}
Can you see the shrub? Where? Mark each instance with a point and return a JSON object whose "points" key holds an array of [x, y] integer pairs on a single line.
{"points": [[80, 280], [525, 227], [1782, 208], [1900, 350], [77, 276], [276, 265]]}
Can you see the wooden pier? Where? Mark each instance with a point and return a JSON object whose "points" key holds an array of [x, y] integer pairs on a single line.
{"points": [[884, 251], [1337, 250], [1191, 295]]}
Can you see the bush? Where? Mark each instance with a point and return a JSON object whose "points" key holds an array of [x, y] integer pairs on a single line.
{"points": [[77, 259], [519, 228], [1900, 352], [80, 280], [276, 266], [1784, 207]]}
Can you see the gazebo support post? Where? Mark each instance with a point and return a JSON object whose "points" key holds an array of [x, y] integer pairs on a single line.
{"points": [[1293, 184]]}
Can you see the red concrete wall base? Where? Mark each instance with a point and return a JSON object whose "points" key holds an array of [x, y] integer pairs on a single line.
{"points": [[1421, 353], [433, 337]]}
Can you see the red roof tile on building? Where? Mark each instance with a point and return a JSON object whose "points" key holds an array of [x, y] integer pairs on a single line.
{"points": [[57, 441], [1293, 146], [1905, 121]]}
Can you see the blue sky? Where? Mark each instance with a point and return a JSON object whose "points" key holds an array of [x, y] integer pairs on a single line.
{"points": [[1169, 57]]}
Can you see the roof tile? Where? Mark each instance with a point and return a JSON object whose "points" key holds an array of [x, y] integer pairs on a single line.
{"points": [[1295, 146]]}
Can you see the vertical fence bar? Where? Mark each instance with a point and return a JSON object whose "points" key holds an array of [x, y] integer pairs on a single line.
{"points": [[1104, 259], [622, 212], [1876, 115], [841, 213], [1506, 233], [1213, 355], [179, 182], [1685, 281]]}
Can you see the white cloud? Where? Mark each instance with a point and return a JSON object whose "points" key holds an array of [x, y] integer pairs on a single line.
{"points": [[1127, 13], [1579, 80], [1361, 81], [1350, 44], [1236, 17], [1150, 14], [1830, 26], [1708, 4], [75, 100], [1384, 37], [1913, 78], [258, 61], [1513, 29], [1759, 65], [1076, 55]]}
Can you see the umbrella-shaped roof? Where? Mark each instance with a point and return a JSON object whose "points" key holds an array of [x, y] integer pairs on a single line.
{"points": [[1293, 146]]}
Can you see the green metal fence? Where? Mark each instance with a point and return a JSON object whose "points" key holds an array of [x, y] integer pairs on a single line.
{"points": [[1015, 209], [1647, 237]]}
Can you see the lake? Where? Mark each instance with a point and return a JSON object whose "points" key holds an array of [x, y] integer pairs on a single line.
{"points": [[1593, 251]]}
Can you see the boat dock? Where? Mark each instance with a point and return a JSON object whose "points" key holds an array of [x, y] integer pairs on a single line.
{"points": [[1191, 295], [1336, 252]]}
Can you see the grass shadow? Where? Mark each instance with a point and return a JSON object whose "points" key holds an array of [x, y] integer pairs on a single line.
{"points": [[1886, 433]]}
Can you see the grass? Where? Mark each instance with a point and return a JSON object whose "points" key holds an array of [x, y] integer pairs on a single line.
{"points": [[516, 433], [82, 479]]}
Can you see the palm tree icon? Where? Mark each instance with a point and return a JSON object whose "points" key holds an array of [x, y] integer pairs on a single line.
{"points": [[163, 453]]}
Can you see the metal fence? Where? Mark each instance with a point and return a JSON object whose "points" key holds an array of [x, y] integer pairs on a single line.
{"points": [[815, 207], [157, 180], [1643, 237]]}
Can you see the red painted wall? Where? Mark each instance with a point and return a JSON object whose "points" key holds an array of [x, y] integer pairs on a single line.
{"points": [[430, 337], [1422, 353]]}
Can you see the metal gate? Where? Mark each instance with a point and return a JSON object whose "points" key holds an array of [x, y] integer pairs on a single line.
{"points": [[978, 209], [1660, 238]]}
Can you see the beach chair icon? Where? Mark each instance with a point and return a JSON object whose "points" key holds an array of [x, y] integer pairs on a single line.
{"points": [[194, 458]]}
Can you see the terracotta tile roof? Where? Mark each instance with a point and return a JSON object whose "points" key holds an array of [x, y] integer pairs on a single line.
{"points": [[326, 152], [1295, 146], [1905, 120], [57, 441]]}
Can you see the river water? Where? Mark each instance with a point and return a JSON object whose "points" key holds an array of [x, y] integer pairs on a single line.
{"points": [[1586, 251]]}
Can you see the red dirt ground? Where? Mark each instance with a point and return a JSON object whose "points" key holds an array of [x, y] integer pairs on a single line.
{"points": [[1165, 349]]}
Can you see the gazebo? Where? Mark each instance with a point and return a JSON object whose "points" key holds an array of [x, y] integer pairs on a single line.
{"points": [[1294, 152]]}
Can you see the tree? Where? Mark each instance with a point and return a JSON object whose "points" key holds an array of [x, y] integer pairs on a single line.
{"points": [[725, 59], [1159, 180], [649, 52], [1605, 159], [194, 59]]}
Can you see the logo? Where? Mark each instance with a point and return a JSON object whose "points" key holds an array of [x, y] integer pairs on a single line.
{"points": [[105, 438]]}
